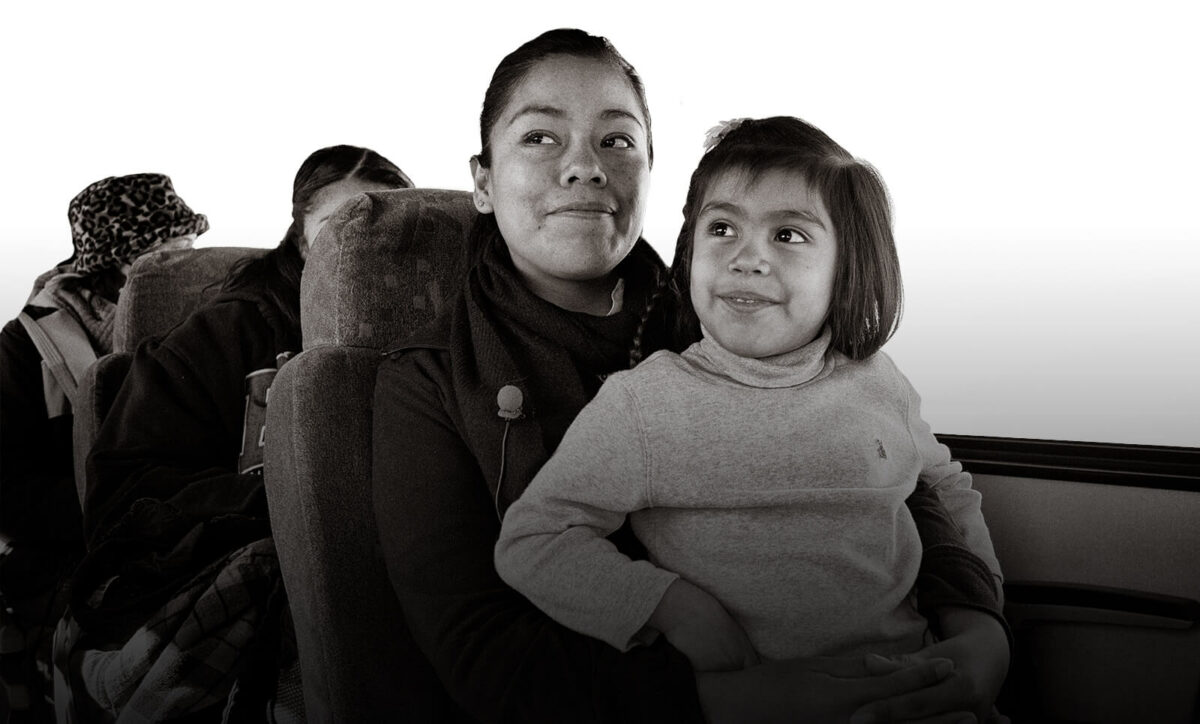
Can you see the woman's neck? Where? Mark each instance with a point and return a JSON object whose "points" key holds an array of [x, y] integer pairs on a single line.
{"points": [[589, 296]]}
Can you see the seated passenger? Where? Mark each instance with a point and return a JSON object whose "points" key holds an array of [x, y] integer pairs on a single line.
{"points": [[467, 410], [68, 317], [175, 514], [766, 467]]}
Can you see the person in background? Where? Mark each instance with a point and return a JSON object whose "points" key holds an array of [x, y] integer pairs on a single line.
{"points": [[176, 515], [67, 323]]}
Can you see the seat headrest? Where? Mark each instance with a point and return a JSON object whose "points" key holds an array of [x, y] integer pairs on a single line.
{"points": [[164, 287], [384, 265]]}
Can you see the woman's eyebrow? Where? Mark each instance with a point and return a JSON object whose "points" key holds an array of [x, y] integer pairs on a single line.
{"points": [[555, 112], [537, 110], [619, 113]]}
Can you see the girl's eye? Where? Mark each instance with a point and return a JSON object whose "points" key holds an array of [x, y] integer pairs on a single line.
{"points": [[617, 142], [539, 138], [720, 228], [790, 236]]}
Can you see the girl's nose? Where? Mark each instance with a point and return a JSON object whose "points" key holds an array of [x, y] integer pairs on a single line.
{"points": [[583, 166], [750, 257]]}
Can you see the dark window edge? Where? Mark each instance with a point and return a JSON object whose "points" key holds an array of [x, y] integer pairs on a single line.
{"points": [[1139, 466], [1101, 597]]}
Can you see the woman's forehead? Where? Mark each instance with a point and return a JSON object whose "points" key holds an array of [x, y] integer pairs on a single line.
{"points": [[569, 86]]}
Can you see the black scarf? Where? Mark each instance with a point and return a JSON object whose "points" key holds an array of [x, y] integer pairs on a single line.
{"points": [[503, 334]]}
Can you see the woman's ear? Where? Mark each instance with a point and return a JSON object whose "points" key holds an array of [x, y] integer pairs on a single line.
{"points": [[483, 191]]}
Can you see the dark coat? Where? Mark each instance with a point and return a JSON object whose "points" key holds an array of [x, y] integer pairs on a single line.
{"points": [[164, 496]]}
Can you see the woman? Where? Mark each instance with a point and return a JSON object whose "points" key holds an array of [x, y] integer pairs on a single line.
{"points": [[172, 490], [69, 315], [469, 409]]}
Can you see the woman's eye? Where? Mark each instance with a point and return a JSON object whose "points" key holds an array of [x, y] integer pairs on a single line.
{"points": [[617, 142], [539, 138], [790, 236]]}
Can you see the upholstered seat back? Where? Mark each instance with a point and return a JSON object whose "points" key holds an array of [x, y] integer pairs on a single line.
{"points": [[161, 290], [382, 267]]}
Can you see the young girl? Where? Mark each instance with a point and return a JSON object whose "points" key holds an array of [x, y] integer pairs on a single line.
{"points": [[766, 467]]}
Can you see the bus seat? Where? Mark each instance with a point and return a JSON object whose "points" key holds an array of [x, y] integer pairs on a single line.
{"points": [[384, 265], [160, 291]]}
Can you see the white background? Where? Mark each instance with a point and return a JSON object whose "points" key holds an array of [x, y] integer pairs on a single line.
{"points": [[1043, 157]]}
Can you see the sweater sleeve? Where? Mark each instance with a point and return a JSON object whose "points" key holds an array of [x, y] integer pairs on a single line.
{"points": [[952, 484], [552, 545], [958, 563], [498, 656]]}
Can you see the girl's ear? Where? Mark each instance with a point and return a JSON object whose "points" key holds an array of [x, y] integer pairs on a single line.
{"points": [[483, 186]]}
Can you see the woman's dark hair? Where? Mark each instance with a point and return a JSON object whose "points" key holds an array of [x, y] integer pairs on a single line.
{"points": [[517, 64], [279, 270], [867, 290]]}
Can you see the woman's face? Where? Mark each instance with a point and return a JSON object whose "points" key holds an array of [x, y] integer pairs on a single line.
{"points": [[327, 200], [569, 175]]}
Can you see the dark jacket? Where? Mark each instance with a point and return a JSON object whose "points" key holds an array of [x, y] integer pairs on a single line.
{"points": [[164, 494], [501, 658], [38, 501], [39, 506]]}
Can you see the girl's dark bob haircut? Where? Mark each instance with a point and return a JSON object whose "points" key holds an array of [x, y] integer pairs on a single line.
{"points": [[867, 290]]}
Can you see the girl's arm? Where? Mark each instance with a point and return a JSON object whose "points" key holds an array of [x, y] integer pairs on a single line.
{"points": [[959, 586], [553, 546], [500, 657], [497, 655], [952, 485]]}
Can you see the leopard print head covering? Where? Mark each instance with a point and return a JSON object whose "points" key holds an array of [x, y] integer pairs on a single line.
{"points": [[117, 219]]}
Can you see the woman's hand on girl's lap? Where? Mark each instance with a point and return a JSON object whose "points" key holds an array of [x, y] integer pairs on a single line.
{"points": [[699, 626], [817, 689], [978, 646]]}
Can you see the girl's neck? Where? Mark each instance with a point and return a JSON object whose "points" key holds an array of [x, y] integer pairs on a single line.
{"points": [[789, 369]]}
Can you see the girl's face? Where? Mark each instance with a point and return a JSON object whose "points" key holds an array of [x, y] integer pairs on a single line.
{"points": [[569, 176], [764, 258], [327, 200]]}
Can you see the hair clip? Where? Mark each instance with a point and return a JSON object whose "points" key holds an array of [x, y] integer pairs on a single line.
{"points": [[717, 133]]}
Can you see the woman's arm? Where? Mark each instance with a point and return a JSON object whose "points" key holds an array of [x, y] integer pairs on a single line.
{"points": [[496, 653]]}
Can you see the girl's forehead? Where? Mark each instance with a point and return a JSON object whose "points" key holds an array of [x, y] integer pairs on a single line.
{"points": [[778, 184]]}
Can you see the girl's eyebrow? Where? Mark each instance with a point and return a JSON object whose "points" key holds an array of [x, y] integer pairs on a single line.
{"points": [[803, 214], [728, 207]]}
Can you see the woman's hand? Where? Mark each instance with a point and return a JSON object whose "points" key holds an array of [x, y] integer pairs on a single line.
{"points": [[976, 643], [700, 627], [818, 689]]}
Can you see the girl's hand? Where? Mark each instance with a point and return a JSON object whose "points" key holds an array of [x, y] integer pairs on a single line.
{"points": [[700, 627], [976, 643], [818, 689]]}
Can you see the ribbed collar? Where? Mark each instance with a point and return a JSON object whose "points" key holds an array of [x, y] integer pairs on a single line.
{"points": [[790, 369]]}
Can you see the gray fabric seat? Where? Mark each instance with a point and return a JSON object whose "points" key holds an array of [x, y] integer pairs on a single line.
{"points": [[161, 290], [382, 267]]}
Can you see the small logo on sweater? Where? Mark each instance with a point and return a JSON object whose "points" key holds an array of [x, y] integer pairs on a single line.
{"points": [[879, 449]]}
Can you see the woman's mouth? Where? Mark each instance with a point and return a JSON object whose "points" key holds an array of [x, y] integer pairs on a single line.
{"points": [[587, 210]]}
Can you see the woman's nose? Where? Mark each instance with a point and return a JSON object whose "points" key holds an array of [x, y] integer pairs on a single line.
{"points": [[582, 165], [750, 257]]}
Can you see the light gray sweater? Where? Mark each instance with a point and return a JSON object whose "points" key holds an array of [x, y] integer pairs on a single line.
{"points": [[777, 486]]}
